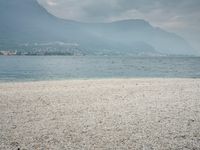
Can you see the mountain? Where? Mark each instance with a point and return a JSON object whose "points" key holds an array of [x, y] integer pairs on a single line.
{"points": [[25, 22]]}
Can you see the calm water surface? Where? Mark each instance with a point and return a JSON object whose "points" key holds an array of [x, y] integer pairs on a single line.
{"points": [[29, 68]]}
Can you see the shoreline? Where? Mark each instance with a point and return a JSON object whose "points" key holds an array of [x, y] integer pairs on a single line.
{"points": [[97, 79], [135, 113]]}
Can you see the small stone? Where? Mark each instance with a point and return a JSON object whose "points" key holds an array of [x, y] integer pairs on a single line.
{"points": [[147, 147], [16, 144]]}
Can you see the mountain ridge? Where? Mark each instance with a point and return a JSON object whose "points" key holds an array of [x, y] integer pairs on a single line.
{"points": [[26, 21]]}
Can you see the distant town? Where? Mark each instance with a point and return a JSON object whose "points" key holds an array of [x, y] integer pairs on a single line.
{"points": [[43, 49], [36, 53], [8, 53]]}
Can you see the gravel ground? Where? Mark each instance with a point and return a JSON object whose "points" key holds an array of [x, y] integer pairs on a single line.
{"points": [[140, 114]]}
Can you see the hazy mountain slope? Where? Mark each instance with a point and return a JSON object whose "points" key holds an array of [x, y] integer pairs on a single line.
{"points": [[25, 21], [127, 31]]}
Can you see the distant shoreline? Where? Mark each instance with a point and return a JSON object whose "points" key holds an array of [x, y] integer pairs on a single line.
{"points": [[165, 56]]}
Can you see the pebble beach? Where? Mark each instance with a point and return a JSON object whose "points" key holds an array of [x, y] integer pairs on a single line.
{"points": [[120, 114]]}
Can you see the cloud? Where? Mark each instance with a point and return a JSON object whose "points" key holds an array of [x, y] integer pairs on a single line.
{"points": [[51, 3], [108, 10]]}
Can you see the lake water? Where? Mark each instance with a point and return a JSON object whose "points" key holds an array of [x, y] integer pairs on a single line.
{"points": [[31, 68]]}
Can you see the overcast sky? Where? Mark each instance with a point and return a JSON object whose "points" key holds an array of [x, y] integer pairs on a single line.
{"points": [[179, 16]]}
